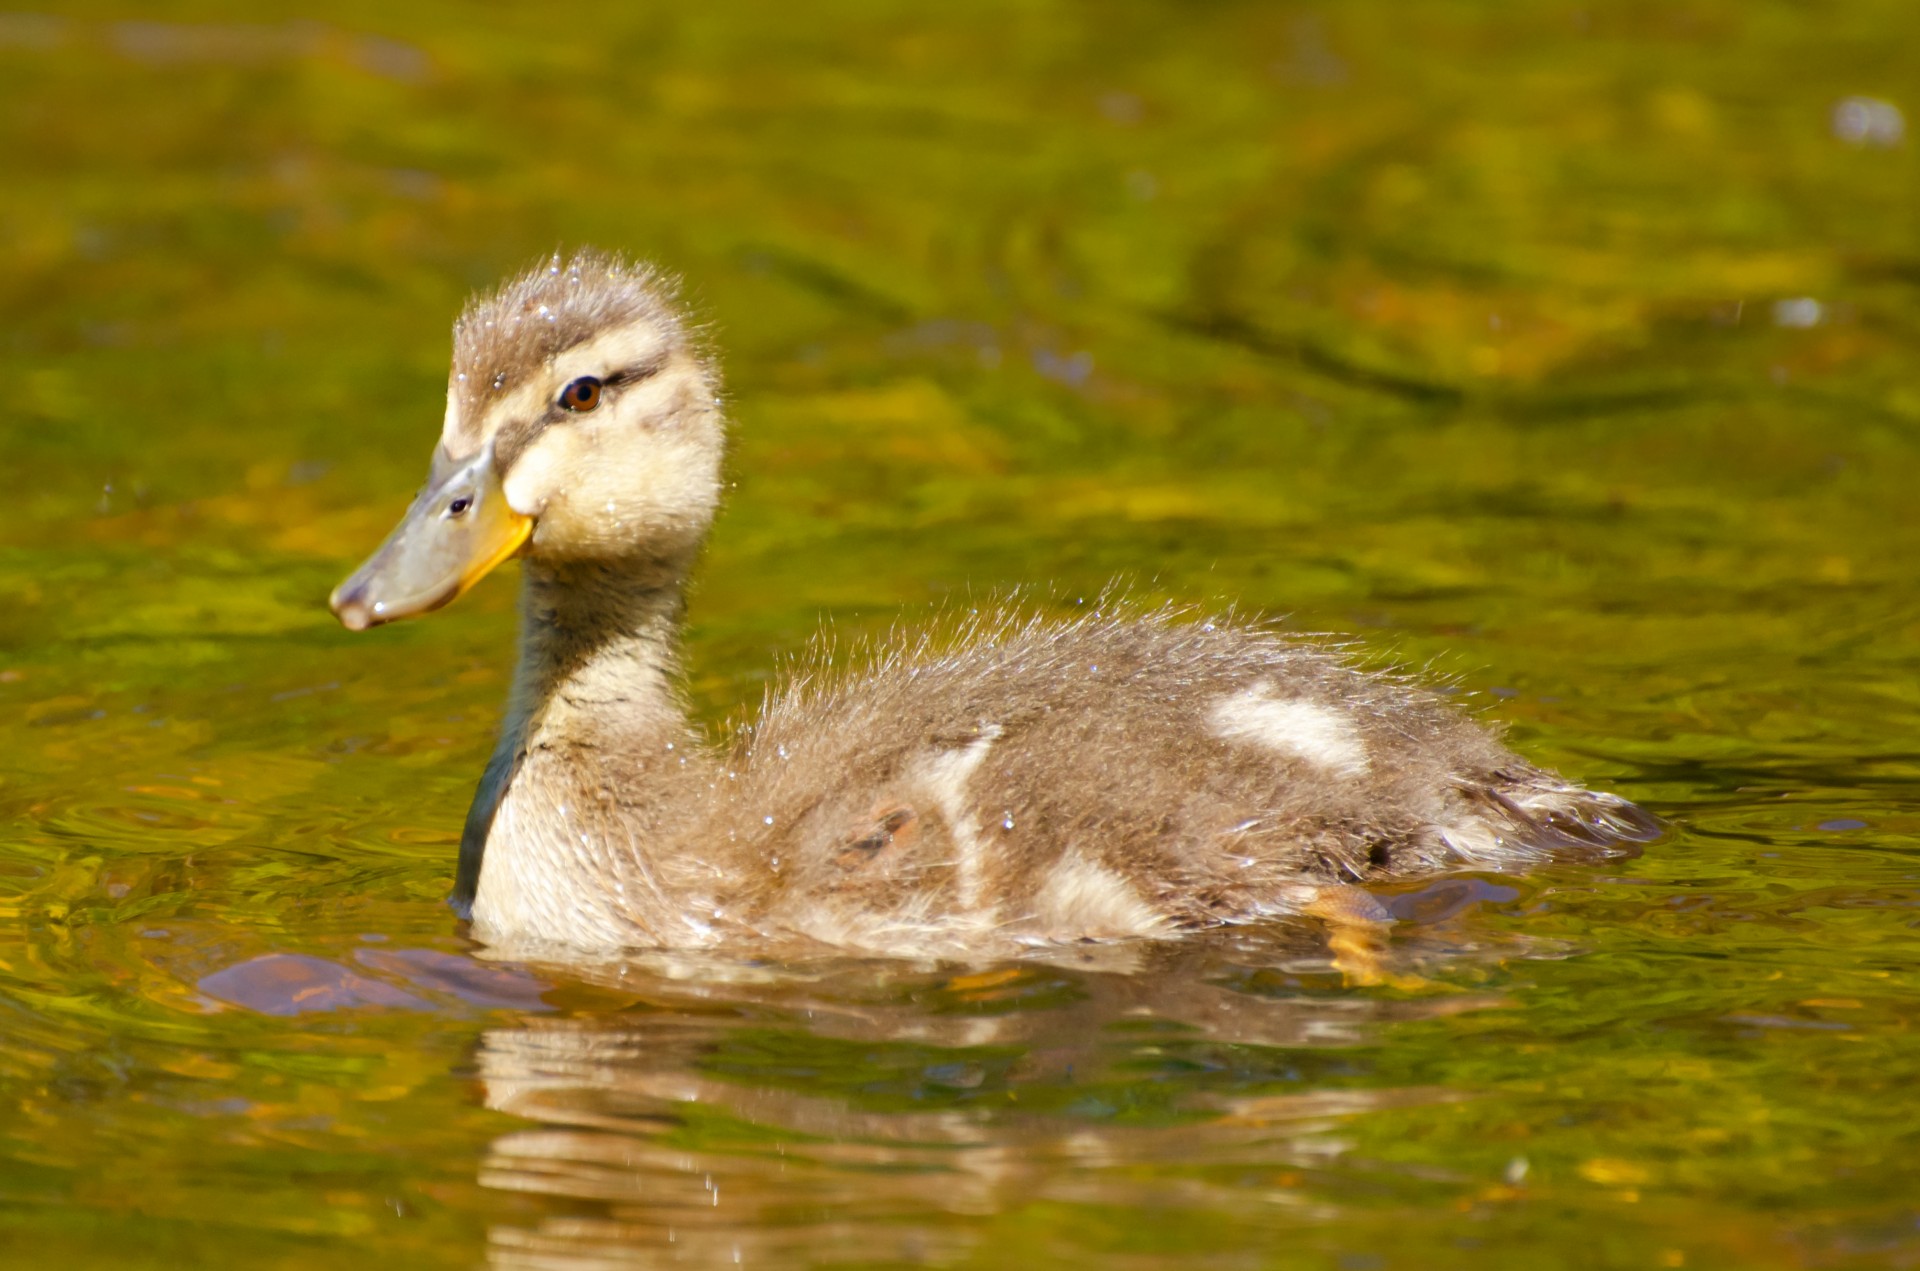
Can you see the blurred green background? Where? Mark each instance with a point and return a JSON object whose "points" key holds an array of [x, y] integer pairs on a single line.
{"points": [[1563, 347]]}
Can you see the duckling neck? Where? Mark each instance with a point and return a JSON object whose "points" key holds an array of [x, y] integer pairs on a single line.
{"points": [[599, 650], [595, 753]]}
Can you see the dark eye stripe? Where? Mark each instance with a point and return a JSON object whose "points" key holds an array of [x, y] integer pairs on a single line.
{"points": [[518, 435], [639, 371]]}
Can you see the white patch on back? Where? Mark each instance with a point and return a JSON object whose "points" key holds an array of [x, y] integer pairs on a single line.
{"points": [[945, 777], [1316, 734], [1082, 900], [1471, 841]]}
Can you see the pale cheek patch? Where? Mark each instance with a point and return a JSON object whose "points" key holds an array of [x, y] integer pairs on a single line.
{"points": [[1301, 730], [536, 473]]}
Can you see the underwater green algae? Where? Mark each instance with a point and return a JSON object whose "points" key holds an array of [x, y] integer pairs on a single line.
{"points": [[1563, 349]]}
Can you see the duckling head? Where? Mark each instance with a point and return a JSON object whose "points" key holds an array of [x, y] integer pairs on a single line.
{"points": [[582, 426]]}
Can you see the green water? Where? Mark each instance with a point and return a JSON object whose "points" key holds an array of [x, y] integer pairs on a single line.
{"points": [[1453, 327]]}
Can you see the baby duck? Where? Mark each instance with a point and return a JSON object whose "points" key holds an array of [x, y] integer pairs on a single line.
{"points": [[1017, 783]]}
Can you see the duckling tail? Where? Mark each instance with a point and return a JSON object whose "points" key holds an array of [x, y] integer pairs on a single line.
{"points": [[1567, 821]]}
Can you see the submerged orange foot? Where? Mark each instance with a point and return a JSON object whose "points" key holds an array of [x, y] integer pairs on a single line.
{"points": [[1359, 928]]}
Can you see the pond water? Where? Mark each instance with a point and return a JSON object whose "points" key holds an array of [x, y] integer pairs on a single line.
{"points": [[1562, 349]]}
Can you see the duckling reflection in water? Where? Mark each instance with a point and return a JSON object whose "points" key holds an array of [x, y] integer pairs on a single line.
{"points": [[957, 1115], [1011, 783]]}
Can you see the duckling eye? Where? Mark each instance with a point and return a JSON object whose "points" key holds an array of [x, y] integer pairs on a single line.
{"points": [[581, 395], [459, 505]]}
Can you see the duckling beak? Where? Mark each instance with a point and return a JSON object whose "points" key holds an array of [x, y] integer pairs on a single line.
{"points": [[455, 532]]}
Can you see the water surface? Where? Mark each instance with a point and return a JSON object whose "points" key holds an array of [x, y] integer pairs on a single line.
{"points": [[1563, 350]]}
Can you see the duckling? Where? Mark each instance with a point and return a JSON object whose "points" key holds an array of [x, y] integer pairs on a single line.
{"points": [[1012, 783]]}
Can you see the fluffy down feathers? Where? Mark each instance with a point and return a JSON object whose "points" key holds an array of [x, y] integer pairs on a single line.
{"points": [[1010, 782], [1015, 781]]}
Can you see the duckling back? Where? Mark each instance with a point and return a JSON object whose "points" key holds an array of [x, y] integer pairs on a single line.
{"points": [[1030, 782]]}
